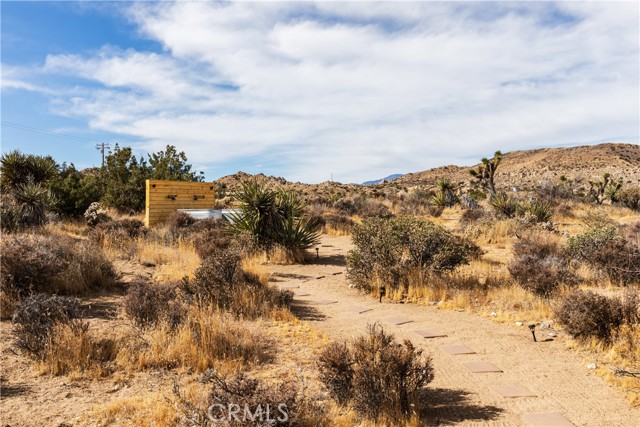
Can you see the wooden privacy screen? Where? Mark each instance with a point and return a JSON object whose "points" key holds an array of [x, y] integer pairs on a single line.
{"points": [[164, 197]]}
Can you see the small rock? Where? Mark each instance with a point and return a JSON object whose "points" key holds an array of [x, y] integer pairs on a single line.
{"points": [[544, 326], [553, 334], [147, 263], [461, 310], [519, 323], [494, 314], [591, 366], [433, 302], [440, 302]]}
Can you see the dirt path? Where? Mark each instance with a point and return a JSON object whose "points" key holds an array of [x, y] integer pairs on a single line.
{"points": [[556, 376]]}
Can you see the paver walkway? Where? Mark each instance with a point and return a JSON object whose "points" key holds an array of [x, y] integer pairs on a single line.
{"points": [[541, 384]]}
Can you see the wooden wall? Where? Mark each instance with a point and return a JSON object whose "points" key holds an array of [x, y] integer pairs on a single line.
{"points": [[159, 205]]}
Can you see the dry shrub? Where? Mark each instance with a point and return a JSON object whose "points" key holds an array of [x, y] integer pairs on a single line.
{"points": [[179, 224], [240, 400], [380, 378], [539, 265], [470, 216], [209, 235], [387, 249], [119, 235], [147, 305], [337, 225], [222, 282], [631, 306], [585, 314], [610, 253], [37, 316], [205, 339], [52, 264], [363, 207]]}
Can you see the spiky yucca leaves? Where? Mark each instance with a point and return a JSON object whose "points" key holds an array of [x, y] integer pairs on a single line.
{"points": [[274, 217], [446, 195], [504, 205], [32, 201], [19, 169]]}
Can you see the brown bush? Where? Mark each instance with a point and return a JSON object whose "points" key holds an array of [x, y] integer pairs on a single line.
{"points": [[221, 281], [210, 235], [119, 233], [471, 215], [179, 224], [52, 264], [36, 318], [585, 314], [147, 305], [282, 403], [631, 306], [338, 223], [380, 378], [540, 266]]}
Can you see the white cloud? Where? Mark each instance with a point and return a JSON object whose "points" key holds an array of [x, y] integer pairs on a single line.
{"points": [[364, 89]]}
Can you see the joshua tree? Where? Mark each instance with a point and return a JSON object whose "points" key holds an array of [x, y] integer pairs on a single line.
{"points": [[485, 172], [605, 188]]}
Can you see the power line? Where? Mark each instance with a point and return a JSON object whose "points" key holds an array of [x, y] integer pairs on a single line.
{"points": [[47, 132]]}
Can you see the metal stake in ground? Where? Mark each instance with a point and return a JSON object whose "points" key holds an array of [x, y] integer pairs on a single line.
{"points": [[317, 253], [532, 328], [383, 292]]}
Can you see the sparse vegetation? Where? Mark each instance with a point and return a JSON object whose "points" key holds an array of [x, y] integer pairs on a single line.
{"points": [[587, 314], [378, 377]]}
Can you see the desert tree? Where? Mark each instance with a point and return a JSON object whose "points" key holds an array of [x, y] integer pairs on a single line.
{"points": [[605, 188], [484, 174]]}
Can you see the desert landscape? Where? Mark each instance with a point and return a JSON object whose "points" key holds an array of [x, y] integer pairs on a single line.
{"points": [[504, 297]]}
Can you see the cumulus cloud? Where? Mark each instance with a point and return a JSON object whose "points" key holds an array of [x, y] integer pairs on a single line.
{"points": [[363, 89]]}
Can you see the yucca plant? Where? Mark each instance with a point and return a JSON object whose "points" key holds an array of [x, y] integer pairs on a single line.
{"points": [[541, 211], [504, 204], [19, 169], [32, 201], [274, 217]]}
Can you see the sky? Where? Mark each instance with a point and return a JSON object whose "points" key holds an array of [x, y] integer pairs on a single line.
{"points": [[354, 90]]}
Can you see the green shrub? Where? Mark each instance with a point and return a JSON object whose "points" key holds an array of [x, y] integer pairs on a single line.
{"points": [[379, 377], [75, 191], [610, 253], [587, 314], [388, 249]]}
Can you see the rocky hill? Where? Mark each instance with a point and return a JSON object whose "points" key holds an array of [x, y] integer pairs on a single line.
{"points": [[523, 169]]}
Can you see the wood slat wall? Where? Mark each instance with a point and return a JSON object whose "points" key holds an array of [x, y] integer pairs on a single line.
{"points": [[159, 206]]}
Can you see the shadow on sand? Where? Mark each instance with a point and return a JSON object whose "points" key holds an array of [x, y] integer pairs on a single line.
{"points": [[451, 406]]}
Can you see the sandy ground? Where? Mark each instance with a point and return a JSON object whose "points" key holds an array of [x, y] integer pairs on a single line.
{"points": [[557, 376]]}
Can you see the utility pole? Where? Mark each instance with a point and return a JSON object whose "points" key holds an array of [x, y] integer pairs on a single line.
{"points": [[101, 147]]}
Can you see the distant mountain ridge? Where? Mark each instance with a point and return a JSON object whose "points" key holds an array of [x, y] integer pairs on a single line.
{"points": [[385, 179]]}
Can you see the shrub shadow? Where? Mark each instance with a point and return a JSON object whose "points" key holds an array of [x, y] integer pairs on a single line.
{"points": [[12, 390], [447, 406], [304, 311]]}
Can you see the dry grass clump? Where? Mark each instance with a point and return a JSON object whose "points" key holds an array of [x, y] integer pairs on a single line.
{"points": [[205, 339], [49, 330], [147, 305], [145, 410], [33, 263], [376, 376]]}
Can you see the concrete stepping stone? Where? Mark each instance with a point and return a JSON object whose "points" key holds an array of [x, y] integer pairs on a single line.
{"points": [[301, 294], [358, 310], [457, 349], [481, 367], [324, 301], [425, 333], [512, 391], [398, 320], [289, 287], [547, 419]]}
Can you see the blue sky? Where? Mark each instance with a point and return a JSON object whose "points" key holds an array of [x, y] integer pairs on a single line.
{"points": [[304, 90]]}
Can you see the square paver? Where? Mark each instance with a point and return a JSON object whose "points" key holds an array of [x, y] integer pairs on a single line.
{"points": [[512, 391], [358, 310], [301, 294], [547, 419], [481, 367], [398, 320], [324, 301], [457, 349], [424, 333]]}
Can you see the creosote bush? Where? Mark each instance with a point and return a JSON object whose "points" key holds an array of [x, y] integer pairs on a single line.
{"points": [[539, 265], [378, 377], [585, 314], [388, 250]]}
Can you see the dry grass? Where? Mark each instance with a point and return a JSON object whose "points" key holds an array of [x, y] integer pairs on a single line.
{"points": [[77, 353], [335, 231], [146, 410], [207, 339], [172, 262]]}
